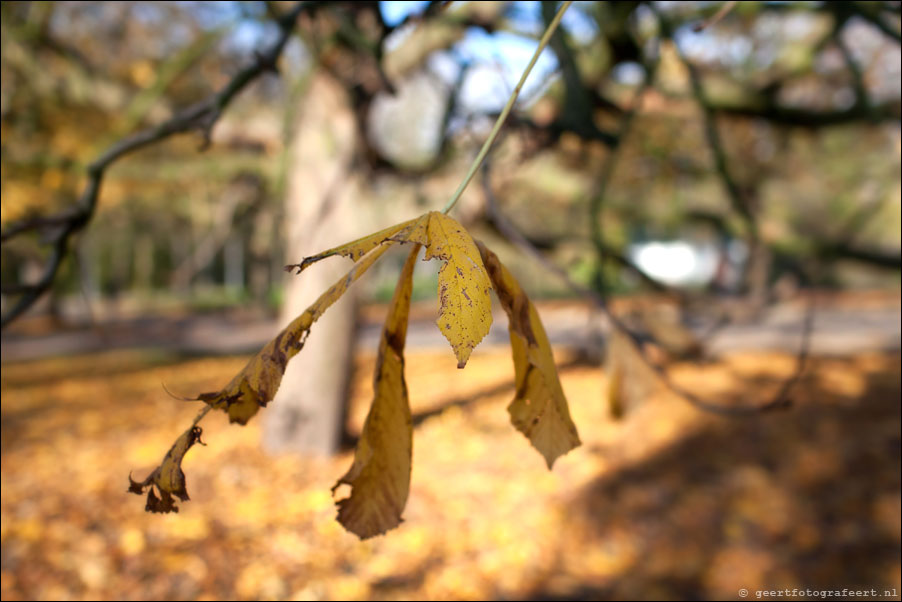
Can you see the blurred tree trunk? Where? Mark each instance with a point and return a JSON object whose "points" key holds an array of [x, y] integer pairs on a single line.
{"points": [[321, 208], [758, 278], [260, 256]]}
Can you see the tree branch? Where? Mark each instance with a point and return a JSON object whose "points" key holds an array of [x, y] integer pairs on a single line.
{"points": [[801, 118], [876, 258], [862, 100], [717, 17], [876, 19], [780, 401], [596, 202], [510, 232], [712, 135], [201, 116]]}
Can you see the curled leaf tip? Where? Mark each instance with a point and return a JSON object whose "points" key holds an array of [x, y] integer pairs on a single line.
{"points": [[174, 396], [134, 486], [308, 261], [167, 478]]}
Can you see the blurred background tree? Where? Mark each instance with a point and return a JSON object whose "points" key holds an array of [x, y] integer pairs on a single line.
{"points": [[699, 167], [703, 150]]}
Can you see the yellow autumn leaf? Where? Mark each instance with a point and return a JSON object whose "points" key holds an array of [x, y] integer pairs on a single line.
{"points": [[465, 307], [257, 383], [357, 248], [168, 477], [465, 314], [539, 409], [380, 475]]}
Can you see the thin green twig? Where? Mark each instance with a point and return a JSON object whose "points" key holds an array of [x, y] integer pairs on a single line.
{"points": [[507, 108]]}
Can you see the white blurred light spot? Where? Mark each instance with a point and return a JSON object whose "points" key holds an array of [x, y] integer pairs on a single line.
{"points": [[676, 263], [629, 73]]}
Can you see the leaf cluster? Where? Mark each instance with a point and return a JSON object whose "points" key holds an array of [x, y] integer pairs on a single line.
{"points": [[379, 476]]}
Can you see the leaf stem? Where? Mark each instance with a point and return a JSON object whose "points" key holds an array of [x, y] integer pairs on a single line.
{"points": [[507, 108], [200, 415]]}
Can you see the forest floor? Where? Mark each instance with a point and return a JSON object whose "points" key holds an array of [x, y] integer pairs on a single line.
{"points": [[668, 503]]}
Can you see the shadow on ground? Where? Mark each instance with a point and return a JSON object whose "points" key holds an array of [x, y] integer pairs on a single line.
{"points": [[808, 498], [669, 503]]}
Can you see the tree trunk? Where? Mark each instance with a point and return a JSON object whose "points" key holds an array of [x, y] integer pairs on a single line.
{"points": [[322, 210]]}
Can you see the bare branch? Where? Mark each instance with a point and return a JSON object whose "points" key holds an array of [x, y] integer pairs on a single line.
{"points": [[779, 401], [717, 17], [596, 201], [874, 257], [801, 118], [737, 198], [201, 116], [876, 19]]}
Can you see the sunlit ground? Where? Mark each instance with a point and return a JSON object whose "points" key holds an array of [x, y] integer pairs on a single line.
{"points": [[668, 504]]}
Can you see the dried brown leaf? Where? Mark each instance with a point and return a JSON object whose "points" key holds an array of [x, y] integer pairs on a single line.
{"points": [[539, 409], [360, 247], [168, 477], [380, 475], [257, 383]]}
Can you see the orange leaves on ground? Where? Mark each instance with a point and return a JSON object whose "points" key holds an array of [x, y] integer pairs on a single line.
{"points": [[479, 523], [168, 477], [539, 409], [380, 474]]}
